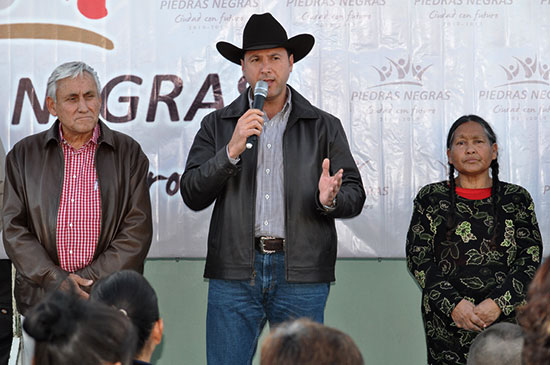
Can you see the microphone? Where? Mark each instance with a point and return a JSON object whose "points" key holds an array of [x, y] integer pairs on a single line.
{"points": [[260, 93]]}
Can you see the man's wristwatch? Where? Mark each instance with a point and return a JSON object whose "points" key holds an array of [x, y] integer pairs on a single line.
{"points": [[330, 207]]}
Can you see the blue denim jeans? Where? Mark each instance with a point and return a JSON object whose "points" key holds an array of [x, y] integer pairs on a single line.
{"points": [[238, 309]]}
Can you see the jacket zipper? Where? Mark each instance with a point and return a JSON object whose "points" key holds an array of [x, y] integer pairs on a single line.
{"points": [[101, 201], [253, 221], [285, 196]]}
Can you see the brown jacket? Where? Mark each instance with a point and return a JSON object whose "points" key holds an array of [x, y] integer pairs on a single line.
{"points": [[32, 191]]}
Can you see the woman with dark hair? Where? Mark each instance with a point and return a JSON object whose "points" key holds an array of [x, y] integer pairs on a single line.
{"points": [[473, 244], [129, 292], [534, 317], [69, 330]]}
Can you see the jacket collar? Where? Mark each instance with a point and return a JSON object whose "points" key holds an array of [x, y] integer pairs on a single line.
{"points": [[105, 135], [301, 108]]}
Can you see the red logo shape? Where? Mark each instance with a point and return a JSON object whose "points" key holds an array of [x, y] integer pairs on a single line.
{"points": [[93, 9]]}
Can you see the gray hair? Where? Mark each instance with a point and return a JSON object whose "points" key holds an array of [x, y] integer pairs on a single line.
{"points": [[303, 341], [500, 344], [69, 69]]}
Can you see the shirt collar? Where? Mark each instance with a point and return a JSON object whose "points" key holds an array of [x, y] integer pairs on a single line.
{"points": [[93, 139], [286, 107]]}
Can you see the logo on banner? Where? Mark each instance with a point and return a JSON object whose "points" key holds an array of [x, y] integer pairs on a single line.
{"points": [[349, 12], [400, 72], [400, 79], [526, 71], [208, 15], [92, 9], [522, 77], [464, 13], [521, 88]]}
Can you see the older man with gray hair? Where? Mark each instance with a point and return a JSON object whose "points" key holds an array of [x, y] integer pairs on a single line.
{"points": [[499, 344], [76, 200]]}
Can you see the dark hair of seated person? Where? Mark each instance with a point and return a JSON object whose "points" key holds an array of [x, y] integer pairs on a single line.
{"points": [[306, 342], [69, 330], [534, 318], [129, 291]]}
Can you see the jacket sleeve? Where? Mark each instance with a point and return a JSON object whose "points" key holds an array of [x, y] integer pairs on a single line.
{"points": [[351, 197], [21, 244], [132, 241], [2, 177], [438, 293], [524, 249], [207, 170]]}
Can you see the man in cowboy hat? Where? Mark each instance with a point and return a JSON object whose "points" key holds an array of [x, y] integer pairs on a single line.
{"points": [[272, 240]]}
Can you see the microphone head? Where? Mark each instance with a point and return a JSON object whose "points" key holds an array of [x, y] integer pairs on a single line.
{"points": [[261, 88]]}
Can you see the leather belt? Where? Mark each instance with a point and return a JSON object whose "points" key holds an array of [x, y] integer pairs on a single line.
{"points": [[269, 245]]}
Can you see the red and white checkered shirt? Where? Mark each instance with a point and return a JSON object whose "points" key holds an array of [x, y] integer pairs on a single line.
{"points": [[79, 217]]}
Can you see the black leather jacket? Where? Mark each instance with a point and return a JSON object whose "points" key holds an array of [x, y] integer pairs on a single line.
{"points": [[32, 191], [310, 136]]}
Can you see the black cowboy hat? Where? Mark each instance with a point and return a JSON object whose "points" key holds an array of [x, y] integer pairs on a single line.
{"points": [[263, 31]]}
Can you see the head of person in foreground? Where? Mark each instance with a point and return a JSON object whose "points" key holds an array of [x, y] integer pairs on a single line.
{"points": [[500, 344], [534, 318], [70, 330], [129, 292], [304, 342]]}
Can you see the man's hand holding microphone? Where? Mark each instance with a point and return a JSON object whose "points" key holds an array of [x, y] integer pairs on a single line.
{"points": [[250, 124]]}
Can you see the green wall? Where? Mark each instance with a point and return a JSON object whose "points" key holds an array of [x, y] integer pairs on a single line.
{"points": [[375, 301]]}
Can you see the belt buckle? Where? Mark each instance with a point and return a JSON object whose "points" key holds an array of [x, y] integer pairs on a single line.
{"points": [[262, 244]]}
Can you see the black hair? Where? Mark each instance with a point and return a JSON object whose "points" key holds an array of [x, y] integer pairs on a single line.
{"points": [[491, 136], [130, 291], [70, 330]]}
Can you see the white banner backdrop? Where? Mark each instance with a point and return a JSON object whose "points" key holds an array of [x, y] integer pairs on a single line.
{"points": [[396, 72]]}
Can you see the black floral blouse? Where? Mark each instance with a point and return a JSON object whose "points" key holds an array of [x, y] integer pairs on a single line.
{"points": [[470, 265]]}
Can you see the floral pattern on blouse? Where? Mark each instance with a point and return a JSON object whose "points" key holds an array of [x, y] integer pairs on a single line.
{"points": [[470, 265]]}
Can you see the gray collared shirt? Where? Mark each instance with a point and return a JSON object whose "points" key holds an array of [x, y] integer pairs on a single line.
{"points": [[270, 192]]}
